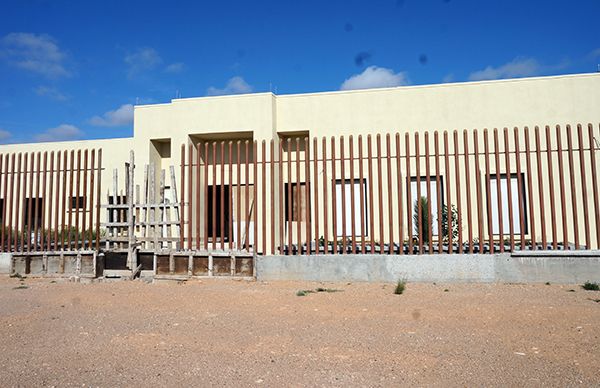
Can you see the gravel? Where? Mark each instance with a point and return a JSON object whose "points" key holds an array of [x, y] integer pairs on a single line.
{"points": [[223, 332]]}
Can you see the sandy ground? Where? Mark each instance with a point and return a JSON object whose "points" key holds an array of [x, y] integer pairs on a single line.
{"points": [[240, 333]]}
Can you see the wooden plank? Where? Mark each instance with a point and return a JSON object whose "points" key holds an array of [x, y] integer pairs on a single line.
{"points": [[98, 191], [161, 194], [144, 204], [167, 211], [175, 200], [152, 199]]}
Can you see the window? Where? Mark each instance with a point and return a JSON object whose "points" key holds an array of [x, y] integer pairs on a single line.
{"points": [[433, 201], [77, 203], [347, 211], [514, 188], [36, 212], [299, 202], [222, 212]]}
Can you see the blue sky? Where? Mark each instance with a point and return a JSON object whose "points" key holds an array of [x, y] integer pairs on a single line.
{"points": [[73, 69]]}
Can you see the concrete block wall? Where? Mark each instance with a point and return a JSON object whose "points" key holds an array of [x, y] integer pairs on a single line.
{"points": [[560, 268]]}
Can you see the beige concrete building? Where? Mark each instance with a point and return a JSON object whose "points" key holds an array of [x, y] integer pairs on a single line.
{"points": [[161, 129]]}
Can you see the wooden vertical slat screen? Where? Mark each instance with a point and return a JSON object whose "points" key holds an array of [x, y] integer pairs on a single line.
{"points": [[483, 192], [39, 212]]}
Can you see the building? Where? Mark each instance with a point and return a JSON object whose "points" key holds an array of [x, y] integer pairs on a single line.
{"points": [[162, 131]]}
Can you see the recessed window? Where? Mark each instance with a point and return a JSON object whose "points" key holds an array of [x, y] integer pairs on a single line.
{"points": [[222, 212], [514, 188], [77, 203], [36, 212], [299, 202], [347, 210], [429, 203]]}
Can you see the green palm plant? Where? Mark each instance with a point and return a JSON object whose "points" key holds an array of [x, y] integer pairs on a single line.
{"points": [[423, 220]]}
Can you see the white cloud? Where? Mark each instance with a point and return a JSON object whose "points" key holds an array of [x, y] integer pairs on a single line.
{"points": [[4, 135], [50, 92], [175, 68], [142, 59], [123, 115], [594, 53], [518, 67], [448, 78], [375, 77], [235, 85], [61, 133], [36, 53]]}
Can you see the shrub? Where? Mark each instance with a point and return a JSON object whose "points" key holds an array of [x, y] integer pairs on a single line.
{"points": [[304, 292], [400, 287], [591, 286], [451, 217]]}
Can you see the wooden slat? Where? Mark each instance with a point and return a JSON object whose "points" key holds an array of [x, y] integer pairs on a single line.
{"points": [[230, 197], [409, 210], [273, 200], [488, 195], [584, 195], [352, 211], [29, 201], [316, 192], [380, 196], [362, 195], [263, 164], [4, 169], [592, 146], [572, 184], [542, 200], [388, 157], [206, 204], [439, 196], [18, 227], [308, 223], [530, 189], [11, 204], [551, 189], [50, 197], [400, 200], [333, 197], [196, 199], [449, 199], [70, 199], [509, 193], [42, 232], [281, 200], [428, 190], [470, 225], [419, 225], [370, 185], [499, 190], [521, 189], [181, 220], [299, 198], [343, 192], [478, 189], [222, 197], [98, 191], [325, 203]]}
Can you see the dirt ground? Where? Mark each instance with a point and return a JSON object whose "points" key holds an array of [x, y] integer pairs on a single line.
{"points": [[243, 333]]}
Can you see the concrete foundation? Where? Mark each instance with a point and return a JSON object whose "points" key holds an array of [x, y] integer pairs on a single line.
{"points": [[5, 263], [517, 268]]}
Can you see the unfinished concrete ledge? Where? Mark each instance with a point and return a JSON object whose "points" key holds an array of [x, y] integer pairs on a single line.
{"points": [[81, 264], [178, 265], [507, 268]]}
